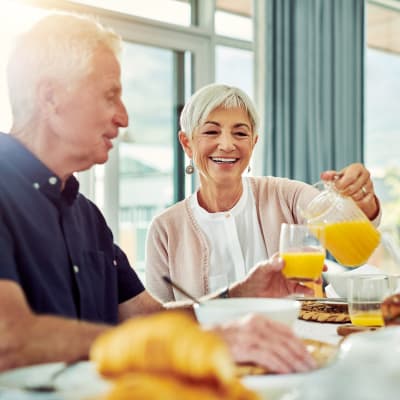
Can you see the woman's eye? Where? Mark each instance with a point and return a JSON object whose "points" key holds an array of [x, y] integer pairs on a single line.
{"points": [[210, 133], [242, 134]]}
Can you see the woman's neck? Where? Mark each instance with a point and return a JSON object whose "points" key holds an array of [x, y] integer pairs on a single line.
{"points": [[219, 198]]}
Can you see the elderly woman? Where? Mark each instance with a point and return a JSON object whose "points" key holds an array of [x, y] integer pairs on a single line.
{"points": [[212, 239]]}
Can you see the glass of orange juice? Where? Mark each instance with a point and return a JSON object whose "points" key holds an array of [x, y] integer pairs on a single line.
{"points": [[303, 254], [365, 295]]}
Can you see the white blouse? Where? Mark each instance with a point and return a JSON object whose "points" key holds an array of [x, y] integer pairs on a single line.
{"points": [[235, 239]]}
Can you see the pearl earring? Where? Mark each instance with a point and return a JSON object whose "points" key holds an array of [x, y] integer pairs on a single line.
{"points": [[190, 168]]}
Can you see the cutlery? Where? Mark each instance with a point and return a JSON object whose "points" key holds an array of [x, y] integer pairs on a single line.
{"points": [[168, 280], [48, 386]]}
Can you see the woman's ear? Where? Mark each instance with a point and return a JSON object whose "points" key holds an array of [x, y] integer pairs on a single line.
{"points": [[185, 143], [255, 140]]}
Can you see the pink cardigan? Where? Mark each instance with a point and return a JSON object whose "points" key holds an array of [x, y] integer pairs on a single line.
{"points": [[176, 246]]}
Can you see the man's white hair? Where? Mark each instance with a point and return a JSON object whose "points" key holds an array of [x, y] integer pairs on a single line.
{"points": [[58, 47], [210, 97]]}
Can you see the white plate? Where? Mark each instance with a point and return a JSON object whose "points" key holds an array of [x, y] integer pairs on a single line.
{"points": [[275, 387], [77, 382]]}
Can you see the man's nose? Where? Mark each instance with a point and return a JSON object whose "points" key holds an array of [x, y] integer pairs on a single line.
{"points": [[121, 115]]}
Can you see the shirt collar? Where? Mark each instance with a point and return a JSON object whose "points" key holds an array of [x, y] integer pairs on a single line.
{"points": [[39, 176]]}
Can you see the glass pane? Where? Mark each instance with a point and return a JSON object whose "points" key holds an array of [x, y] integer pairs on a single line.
{"points": [[172, 11], [15, 19], [234, 19], [382, 139], [146, 183], [233, 25], [235, 67]]}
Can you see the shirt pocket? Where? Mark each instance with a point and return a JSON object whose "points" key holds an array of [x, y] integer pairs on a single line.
{"points": [[98, 288], [218, 282]]}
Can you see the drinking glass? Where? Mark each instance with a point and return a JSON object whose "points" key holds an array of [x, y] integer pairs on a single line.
{"points": [[303, 254], [365, 295]]}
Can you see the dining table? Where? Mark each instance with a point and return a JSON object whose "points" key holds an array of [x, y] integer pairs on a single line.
{"points": [[366, 367]]}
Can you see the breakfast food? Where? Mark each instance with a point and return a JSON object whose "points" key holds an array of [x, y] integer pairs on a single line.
{"points": [[348, 329], [324, 312], [167, 356], [147, 386], [391, 310]]}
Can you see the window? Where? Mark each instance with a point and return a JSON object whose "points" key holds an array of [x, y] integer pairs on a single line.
{"points": [[234, 19], [235, 67], [172, 11], [165, 59], [382, 140], [147, 147], [15, 18]]}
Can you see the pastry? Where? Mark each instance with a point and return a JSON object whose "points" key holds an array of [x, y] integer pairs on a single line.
{"points": [[150, 386], [324, 312], [167, 356], [170, 342]]}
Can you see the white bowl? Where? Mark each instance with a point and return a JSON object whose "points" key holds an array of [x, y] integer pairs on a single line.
{"points": [[338, 280], [223, 310]]}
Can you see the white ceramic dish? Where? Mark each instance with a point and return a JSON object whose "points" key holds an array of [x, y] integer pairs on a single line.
{"points": [[79, 382], [223, 310], [338, 279]]}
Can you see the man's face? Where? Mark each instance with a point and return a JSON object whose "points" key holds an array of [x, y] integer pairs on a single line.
{"points": [[88, 116]]}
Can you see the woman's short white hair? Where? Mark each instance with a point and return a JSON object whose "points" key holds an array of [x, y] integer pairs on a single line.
{"points": [[57, 47], [210, 97]]}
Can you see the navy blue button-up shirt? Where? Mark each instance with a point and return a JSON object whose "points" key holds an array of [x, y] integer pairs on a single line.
{"points": [[56, 244]]}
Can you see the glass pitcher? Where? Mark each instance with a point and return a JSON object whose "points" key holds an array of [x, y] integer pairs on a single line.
{"points": [[341, 226]]}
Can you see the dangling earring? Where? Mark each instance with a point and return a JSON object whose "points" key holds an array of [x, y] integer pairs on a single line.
{"points": [[248, 169], [190, 168]]}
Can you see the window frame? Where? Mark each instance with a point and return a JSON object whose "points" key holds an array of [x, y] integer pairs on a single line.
{"points": [[200, 39]]}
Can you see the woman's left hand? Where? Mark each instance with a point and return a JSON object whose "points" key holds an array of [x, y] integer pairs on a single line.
{"points": [[355, 181]]}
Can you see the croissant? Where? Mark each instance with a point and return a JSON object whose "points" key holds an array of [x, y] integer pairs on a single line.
{"points": [[166, 343], [145, 386]]}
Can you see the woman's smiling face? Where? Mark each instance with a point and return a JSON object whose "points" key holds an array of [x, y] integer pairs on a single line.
{"points": [[222, 146]]}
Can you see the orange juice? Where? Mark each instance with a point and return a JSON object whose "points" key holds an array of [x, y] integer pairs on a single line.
{"points": [[367, 319], [350, 242], [303, 265], [317, 289]]}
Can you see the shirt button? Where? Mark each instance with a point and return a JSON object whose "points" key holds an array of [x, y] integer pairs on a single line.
{"points": [[76, 269], [52, 180], [36, 185], [115, 263]]}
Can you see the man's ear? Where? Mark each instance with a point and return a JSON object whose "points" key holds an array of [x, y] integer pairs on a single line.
{"points": [[47, 96], [185, 143]]}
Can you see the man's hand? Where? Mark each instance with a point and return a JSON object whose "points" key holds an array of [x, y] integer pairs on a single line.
{"points": [[269, 344], [266, 280], [355, 181]]}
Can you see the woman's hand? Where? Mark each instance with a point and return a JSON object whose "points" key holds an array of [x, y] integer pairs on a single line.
{"points": [[355, 181], [269, 344], [266, 280]]}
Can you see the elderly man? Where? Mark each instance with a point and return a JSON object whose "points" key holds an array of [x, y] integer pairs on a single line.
{"points": [[62, 279]]}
